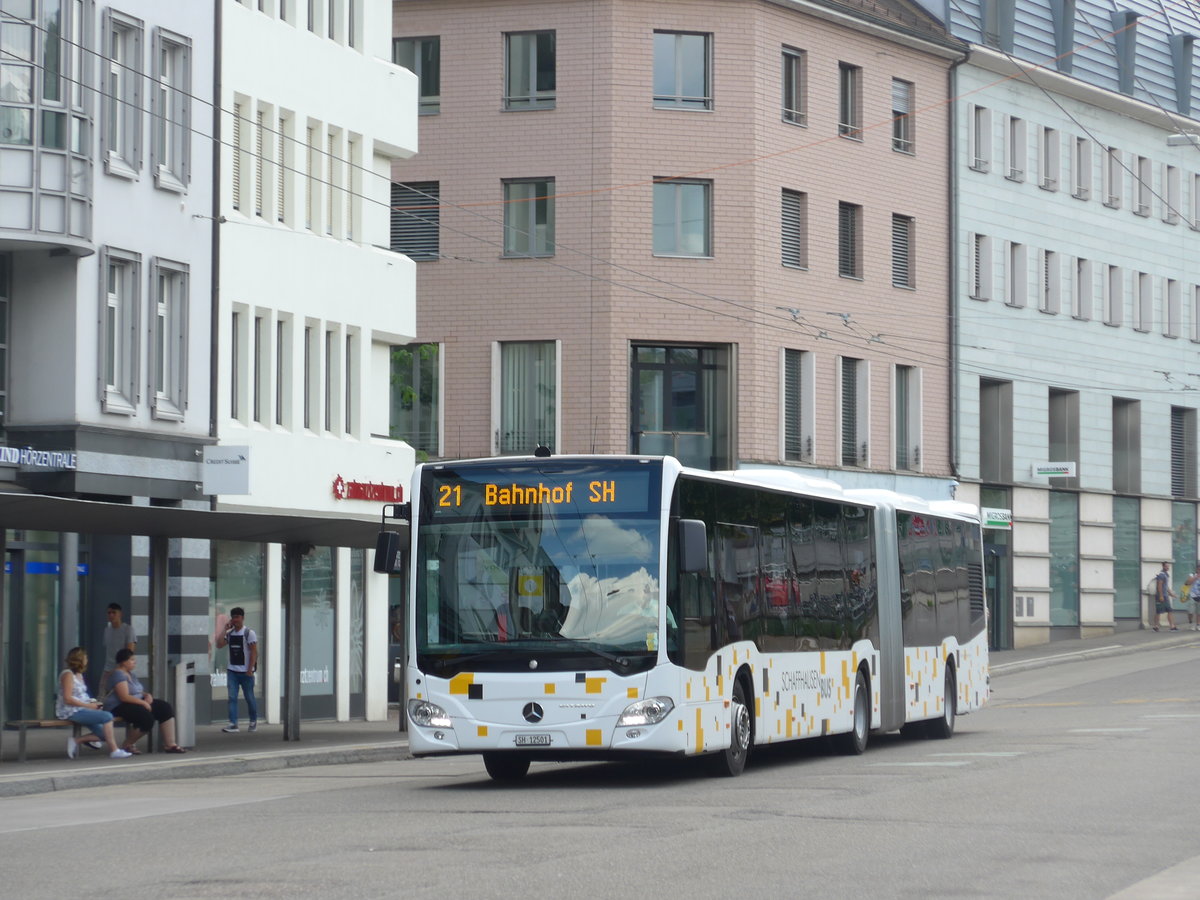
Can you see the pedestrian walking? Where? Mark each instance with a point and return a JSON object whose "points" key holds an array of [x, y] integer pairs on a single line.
{"points": [[243, 663], [1162, 597]]}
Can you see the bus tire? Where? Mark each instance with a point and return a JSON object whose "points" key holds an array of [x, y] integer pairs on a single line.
{"points": [[731, 761], [942, 728], [854, 741], [506, 766]]}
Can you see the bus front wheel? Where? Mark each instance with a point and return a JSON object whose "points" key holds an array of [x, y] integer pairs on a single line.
{"points": [[506, 766], [732, 761]]}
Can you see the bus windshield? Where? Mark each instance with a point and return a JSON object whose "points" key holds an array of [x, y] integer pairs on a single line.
{"points": [[537, 559]]}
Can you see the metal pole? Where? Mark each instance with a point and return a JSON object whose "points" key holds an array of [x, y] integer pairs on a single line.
{"points": [[3, 623], [68, 592], [293, 554], [160, 548]]}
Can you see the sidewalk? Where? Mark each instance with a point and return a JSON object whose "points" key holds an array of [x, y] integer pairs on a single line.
{"points": [[329, 743]]}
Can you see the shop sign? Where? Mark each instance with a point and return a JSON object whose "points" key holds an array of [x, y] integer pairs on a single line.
{"points": [[28, 458], [998, 519], [367, 490], [226, 470], [1054, 470]]}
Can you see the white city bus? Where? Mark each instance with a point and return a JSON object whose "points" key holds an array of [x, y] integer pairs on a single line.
{"points": [[598, 607]]}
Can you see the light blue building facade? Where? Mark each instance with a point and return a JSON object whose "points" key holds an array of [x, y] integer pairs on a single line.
{"points": [[1076, 303]]}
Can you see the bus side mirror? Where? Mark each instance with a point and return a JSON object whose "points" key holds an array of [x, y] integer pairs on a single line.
{"points": [[389, 555], [693, 546]]}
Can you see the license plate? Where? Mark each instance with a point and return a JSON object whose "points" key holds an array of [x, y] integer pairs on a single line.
{"points": [[533, 740]]}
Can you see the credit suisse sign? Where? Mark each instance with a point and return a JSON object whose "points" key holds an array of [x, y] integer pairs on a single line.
{"points": [[367, 490]]}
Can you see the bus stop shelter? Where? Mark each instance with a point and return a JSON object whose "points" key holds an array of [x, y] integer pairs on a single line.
{"points": [[298, 533]]}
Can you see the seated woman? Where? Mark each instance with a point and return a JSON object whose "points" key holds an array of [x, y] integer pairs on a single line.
{"points": [[129, 700], [74, 704]]}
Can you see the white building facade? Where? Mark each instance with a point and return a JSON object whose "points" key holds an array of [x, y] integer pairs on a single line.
{"points": [[1077, 249], [310, 304]]}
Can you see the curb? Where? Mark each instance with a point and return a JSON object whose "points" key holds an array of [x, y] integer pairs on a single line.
{"points": [[209, 767], [1041, 662]]}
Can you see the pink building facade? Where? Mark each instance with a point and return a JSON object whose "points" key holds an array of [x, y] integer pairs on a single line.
{"points": [[713, 228]]}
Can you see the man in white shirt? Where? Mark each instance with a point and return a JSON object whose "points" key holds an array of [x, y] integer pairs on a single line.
{"points": [[118, 635], [243, 663]]}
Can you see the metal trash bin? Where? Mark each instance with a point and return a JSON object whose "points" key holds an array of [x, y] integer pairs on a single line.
{"points": [[185, 704]]}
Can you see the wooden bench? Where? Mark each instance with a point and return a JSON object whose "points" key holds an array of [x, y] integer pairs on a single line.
{"points": [[23, 725]]}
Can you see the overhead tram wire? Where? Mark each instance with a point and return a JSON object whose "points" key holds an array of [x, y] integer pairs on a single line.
{"points": [[819, 334]]}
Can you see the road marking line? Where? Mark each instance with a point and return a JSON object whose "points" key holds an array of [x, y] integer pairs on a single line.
{"points": [[1104, 730], [996, 753], [947, 764]]}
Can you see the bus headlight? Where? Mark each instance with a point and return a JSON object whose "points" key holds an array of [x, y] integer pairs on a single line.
{"points": [[422, 712], [650, 711]]}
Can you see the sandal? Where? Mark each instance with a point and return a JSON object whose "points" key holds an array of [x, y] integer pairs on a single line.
{"points": [[175, 749]]}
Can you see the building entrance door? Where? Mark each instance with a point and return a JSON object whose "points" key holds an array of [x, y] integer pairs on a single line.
{"points": [[998, 584]]}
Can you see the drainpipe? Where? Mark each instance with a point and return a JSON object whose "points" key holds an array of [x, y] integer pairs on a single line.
{"points": [[952, 294], [214, 313]]}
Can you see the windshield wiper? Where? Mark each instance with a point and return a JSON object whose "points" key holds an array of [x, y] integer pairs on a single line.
{"points": [[621, 662]]}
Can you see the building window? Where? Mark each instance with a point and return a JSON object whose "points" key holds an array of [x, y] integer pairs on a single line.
{"points": [[979, 147], [528, 401], [794, 228], [798, 420], [995, 431], [119, 361], [903, 251], [682, 404], [850, 101], [1050, 300], [1049, 159], [1081, 302], [168, 353], [1063, 436], [1171, 203], [1172, 311], [1114, 174], [416, 400], [795, 86], [1063, 15], [423, 57], [529, 217], [1145, 185], [906, 418], [682, 63], [1083, 169], [1064, 552], [529, 70], [235, 167], [285, 145], [1016, 149], [981, 267], [903, 123], [1183, 452], [1017, 277], [1126, 446], [259, 394], [283, 371], [1144, 319], [1195, 223], [121, 97], [1114, 296], [171, 110], [849, 240], [415, 218], [682, 218], [854, 412]]}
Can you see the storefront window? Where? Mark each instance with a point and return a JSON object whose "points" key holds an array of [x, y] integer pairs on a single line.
{"points": [[1064, 558], [318, 597], [1127, 558], [237, 580]]}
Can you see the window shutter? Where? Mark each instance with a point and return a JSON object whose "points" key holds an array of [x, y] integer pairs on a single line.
{"points": [[415, 217], [236, 173], [901, 102], [902, 251], [847, 240], [793, 447], [792, 229], [849, 412]]}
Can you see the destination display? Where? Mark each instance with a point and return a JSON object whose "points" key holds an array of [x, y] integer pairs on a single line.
{"points": [[509, 489]]}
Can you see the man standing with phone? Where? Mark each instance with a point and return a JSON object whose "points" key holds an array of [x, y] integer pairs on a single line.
{"points": [[243, 663]]}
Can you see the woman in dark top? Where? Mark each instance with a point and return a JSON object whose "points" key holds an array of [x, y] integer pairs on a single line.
{"points": [[129, 700]]}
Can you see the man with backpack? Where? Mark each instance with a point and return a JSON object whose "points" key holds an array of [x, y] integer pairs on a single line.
{"points": [[1162, 598]]}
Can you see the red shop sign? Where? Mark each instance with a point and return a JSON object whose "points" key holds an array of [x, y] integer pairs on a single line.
{"points": [[367, 490]]}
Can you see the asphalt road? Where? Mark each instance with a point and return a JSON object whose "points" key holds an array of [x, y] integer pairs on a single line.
{"points": [[1079, 780]]}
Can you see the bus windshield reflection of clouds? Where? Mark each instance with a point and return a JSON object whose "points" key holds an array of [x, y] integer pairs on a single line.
{"points": [[538, 572]]}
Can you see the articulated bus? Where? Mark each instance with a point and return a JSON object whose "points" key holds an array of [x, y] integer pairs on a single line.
{"points": [[600, 607]]}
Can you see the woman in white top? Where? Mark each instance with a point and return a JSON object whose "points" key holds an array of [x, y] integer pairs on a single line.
{"points": [[76, 705]]}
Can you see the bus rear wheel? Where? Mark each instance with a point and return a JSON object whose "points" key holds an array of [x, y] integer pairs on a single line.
{"points": [[942, 728], [854, 742], [506, 766], [731, 762]]}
